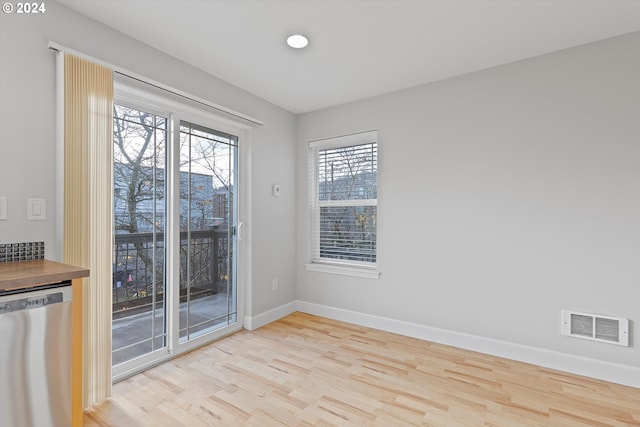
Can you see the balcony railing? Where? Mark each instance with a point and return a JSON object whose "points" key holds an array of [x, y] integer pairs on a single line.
{"points": [[139, 260]]}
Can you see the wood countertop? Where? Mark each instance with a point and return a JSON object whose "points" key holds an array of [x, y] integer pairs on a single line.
{"points": [[27, 274]]}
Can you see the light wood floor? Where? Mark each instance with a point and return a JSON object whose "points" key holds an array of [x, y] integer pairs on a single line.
{"points": [[305, 370]]}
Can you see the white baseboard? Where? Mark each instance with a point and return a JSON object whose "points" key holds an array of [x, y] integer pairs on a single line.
{"points": [[272, 315], [612, 372]]}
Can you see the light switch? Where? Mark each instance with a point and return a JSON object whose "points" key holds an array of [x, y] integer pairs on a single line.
{"points": [[276, 190], [3, 208], [37, 209]]}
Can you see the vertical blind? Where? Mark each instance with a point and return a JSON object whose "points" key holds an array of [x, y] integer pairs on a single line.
{"points": [[88, 146]]}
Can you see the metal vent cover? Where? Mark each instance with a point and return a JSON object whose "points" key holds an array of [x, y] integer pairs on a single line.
{"points": [[596, 327]]}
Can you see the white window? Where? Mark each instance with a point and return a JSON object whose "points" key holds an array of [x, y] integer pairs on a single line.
{"points": [[343, 198]]}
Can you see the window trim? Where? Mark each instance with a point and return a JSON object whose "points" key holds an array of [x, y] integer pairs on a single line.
{"points": [[327, 265], [344, 269]]}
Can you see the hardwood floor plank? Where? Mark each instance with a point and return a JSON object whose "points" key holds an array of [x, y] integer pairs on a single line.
{"points": [[306, 370]]}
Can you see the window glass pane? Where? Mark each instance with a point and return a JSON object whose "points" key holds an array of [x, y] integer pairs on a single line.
{"points": [[208, 160], [139, 222], [348, 173], [348, 233]]}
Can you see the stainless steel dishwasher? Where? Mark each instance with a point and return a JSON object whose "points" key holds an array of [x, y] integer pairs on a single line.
{"points": [[35, 356]]}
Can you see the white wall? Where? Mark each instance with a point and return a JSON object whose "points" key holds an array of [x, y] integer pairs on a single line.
{"points": [[504, 196], [27, 135]]}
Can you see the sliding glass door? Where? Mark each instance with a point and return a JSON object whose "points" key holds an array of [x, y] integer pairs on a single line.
{"points": [[175, 200], [139, 220], [208, 163]]}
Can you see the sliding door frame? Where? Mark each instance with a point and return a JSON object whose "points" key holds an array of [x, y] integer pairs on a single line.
{"points": [[176, 109]]}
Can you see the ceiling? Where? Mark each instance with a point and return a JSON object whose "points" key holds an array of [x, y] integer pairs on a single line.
{"points": [[358, 48]]}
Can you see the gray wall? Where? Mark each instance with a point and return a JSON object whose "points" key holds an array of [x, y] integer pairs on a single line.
{"points": [[27, 135], [504, 196]]}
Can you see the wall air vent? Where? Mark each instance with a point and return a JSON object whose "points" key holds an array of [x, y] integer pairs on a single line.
{"points": [[596, 327]]}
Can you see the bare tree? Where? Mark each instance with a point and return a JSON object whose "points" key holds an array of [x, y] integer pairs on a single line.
{"points": [[139, 144], [139, 153], [205, 191]]}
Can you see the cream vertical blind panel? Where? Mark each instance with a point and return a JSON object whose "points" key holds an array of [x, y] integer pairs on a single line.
{"points": [[88, 154]]}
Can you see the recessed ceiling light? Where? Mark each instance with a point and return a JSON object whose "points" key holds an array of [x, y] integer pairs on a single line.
{"points": [[297, 41]]}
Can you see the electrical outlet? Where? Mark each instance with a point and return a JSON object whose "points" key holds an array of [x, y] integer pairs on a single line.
{"points": [[275, 284]]}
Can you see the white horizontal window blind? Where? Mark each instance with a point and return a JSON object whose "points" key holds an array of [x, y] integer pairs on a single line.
{"points": [[343, 199]]}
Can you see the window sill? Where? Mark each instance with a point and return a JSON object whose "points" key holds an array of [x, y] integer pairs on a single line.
{"points": [[346, 270]]}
